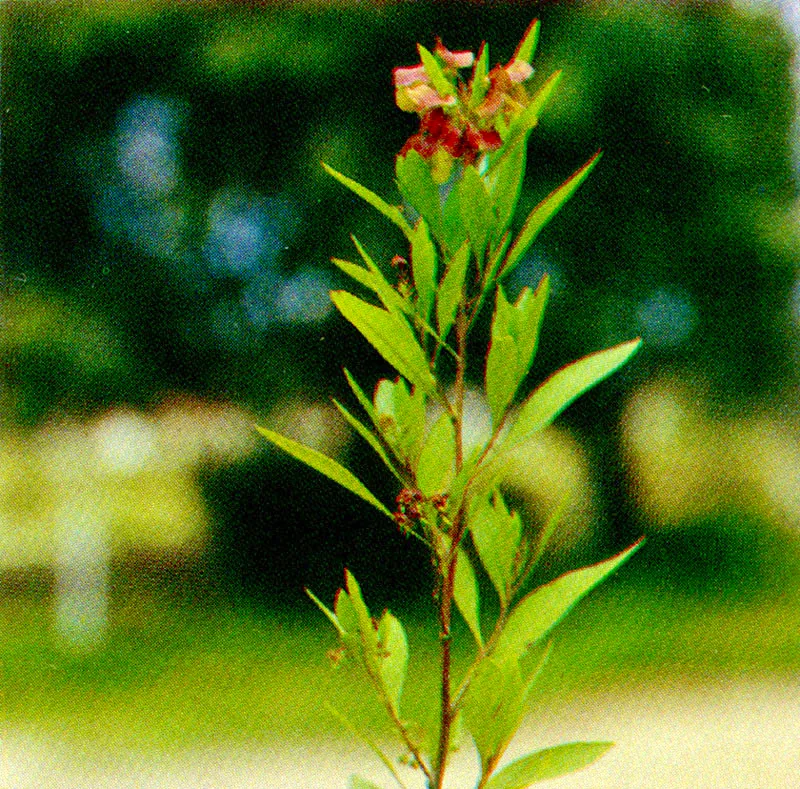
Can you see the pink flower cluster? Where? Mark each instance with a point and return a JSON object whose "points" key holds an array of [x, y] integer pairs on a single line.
{"points": [[452, 122]]}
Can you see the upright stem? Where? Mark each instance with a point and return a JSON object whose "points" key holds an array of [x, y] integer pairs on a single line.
{"points": [[450, 564]]}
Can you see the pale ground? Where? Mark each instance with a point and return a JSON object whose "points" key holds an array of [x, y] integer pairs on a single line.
{"points": [[718, 736]]}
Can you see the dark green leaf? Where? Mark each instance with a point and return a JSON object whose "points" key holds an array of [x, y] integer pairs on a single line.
{"points": [[543, 213], [451, 290], [549, 763], [563, 387], [391, 212], [438, 457], [454, 231], [538, 612], [390, 335], [325, 465], [420, 191]]}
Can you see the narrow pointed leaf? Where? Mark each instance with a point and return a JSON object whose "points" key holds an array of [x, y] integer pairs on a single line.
{"points": [[548, 763], [390, 335], [563, 387], [369, 437], [391, 212], [476, 209], [419, 190], [451, 290], [527, 47], [505, 179], [522, 125], [466, 595], [438, 457], [543, 213], [363, 400], [366, 629], [327, 611], [538, 612], [544, 538], [434, 71], [480, 77], [325, 465], [393, 652], [423, 268]]}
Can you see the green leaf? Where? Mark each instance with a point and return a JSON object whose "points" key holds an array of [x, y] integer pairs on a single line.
{"points": [[515, 336], [563, 387], [348, 618], [390, 335], [416, 185], [391, 212], [325, 465], [366, 629], [548, 763], [437, 460], [393, 653], [494, 707], [505, 184], [527, 47], [369, 437], [423, 268], [496, 533], [400, 416], [434, 71], [522, 125], [465, 593], [327, 611], [373, 279], [538, 612], [480, 77], [543, 213], [451, 290], [453, 229], [477, 214]]}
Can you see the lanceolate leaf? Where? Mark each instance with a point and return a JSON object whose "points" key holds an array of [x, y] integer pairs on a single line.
{"points": [[450, 290], [327, 611], [369, 437], [549, 763], [437, 460], [480, 77], [363, 400], [466, 595], [505, 178], [435, 73], [391, 212], [423, 268], [416, 184], [527, 47], [543, 213], [542, 609], [522, 125], [390, 335], [325, 465], [477, 213], [393, 655], [563, 387]]}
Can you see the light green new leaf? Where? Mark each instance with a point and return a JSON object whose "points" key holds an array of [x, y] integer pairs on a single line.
{"points": [[366, 629], [434, 71], [391, 212], [527, 47], [363, 400], [376, 282], [423, 268], [465, 593], [480, 77], [357, 782], [547, 401], [325, 465], [543, 213], [451, 290], [416, 185], [347, 617], [538, 612], [501, 371], [400, 417], [494, 707], [437, 460], [496, 533], [369, 437], [390, 335], [393, 654], [477, 214], [548, 763]]}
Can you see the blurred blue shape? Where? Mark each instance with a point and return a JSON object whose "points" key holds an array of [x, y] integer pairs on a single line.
{"points": [[667, 317]]}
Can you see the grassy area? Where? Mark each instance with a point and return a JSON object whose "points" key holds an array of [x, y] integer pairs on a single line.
{"points": [[174, 676]]}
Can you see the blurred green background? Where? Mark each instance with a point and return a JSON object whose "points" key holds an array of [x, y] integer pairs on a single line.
{"points": [[166, 231]]}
